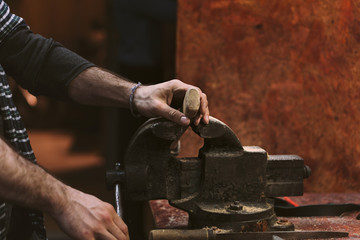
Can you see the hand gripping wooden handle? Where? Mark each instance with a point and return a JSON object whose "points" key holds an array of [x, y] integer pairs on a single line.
{"points": [[191, 103]]}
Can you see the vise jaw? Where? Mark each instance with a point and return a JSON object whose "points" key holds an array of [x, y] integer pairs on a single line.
{"points": [[226, 185]]}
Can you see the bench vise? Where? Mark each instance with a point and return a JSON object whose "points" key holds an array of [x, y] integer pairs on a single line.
{"points": [[227, 185]]}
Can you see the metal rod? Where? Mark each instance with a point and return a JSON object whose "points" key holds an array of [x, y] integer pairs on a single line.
{"points": [[118, 202]]}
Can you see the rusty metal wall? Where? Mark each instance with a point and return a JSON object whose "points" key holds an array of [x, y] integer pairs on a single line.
{"points": [[284, 75]]}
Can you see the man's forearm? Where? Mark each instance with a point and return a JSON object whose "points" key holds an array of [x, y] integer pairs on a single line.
{"points": [[96, 86], [26, 184]]}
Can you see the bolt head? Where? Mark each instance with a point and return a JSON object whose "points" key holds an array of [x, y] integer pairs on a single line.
{"points": [[235, 206]]}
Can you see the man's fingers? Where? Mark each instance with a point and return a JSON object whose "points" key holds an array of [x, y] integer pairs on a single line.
{"points": [[107, 236], [155, 100], [203, 113], [197, 119], [121, 225], [115, 231], [204, 108], [173, 115]]}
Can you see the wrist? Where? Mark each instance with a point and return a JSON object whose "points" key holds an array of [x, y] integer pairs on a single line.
{"points": [[133, 108], [59, 200]]}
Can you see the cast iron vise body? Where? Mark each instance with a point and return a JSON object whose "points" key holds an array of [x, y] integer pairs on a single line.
{"points": [[227, 185]]}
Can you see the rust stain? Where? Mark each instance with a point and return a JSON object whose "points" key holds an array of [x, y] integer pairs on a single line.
{"points": [[283, 75], [346, 17]]}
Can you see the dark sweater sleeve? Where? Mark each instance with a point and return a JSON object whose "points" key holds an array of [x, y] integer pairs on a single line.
{"points": [[40, 65]]}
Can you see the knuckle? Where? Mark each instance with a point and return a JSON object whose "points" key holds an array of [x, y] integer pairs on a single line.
{"points": [[172, 113], [157, 105], [176, 82], [125, 229], [108, 207], [98, 230], [204, 96], [105, 217], [87, 234]]}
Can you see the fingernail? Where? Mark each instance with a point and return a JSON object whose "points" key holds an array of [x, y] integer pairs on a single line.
{"points": [[184, 120]]}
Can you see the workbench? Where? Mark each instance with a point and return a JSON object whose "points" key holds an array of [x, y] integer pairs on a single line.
{"points": [[163, 216]]}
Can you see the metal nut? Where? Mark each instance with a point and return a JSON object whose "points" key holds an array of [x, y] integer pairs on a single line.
{"points": [[307, 171], [236, 206]]}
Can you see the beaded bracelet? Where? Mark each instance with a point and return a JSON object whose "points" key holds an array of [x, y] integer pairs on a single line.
{"points": [[132, 105]]}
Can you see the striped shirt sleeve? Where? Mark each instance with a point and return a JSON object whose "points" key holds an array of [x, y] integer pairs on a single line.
{"points": [[8, 21]]}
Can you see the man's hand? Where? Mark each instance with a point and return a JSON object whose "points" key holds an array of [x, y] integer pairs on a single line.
{"points": [[83, 216], [80, 215], [155, 101], [96, 86]]}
